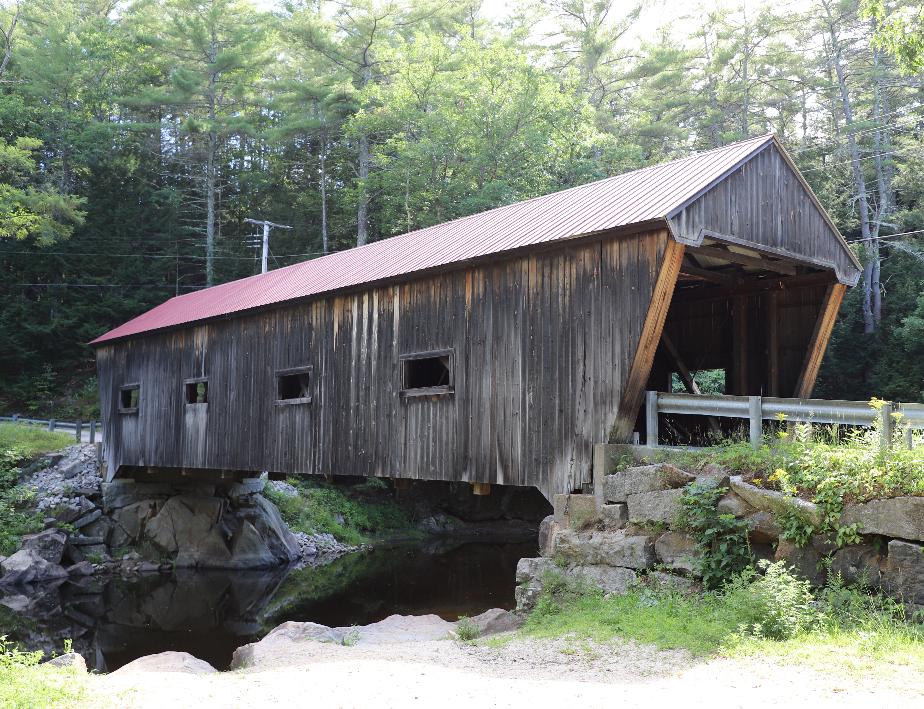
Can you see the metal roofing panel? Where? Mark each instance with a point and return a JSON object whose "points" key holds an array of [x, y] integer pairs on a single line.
{"points": [[639, 196]]}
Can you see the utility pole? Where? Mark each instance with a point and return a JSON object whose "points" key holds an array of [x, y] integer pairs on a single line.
{"points": [[267, 225]]}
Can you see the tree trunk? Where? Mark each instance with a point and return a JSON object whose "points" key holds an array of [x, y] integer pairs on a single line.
{"points": [[884, 176], [324, 243], [362, 211], [211, 169], [871, 268]]}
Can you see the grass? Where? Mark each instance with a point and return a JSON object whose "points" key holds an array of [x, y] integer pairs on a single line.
{"points": [[28, 441], [836, 629], [24, 684], [826, 468], [352, 515], [19, 443]]}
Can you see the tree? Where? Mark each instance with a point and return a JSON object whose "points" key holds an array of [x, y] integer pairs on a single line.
{"points": [[900, 31], [214, 51]]}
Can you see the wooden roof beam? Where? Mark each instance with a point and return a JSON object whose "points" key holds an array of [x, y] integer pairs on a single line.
{"points": [[722, 279], [743, 259]]}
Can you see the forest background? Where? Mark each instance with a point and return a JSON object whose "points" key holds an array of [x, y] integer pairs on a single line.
{"points": [[137, 136]]}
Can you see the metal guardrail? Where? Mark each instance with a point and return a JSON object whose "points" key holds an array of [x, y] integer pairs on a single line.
{"points": [[54, 424], [758, 409]]}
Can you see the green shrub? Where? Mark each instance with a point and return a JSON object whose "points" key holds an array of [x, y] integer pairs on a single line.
{"points": [[25, 685], [722, 539], [466, 630], [323, 508], [781, 605], [15, 518]]}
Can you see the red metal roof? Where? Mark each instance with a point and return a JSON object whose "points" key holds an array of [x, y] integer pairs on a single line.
{"points": [[633, 197]]}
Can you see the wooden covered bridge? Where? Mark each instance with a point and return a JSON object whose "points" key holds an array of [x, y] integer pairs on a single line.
{"points": [[496, 348]]}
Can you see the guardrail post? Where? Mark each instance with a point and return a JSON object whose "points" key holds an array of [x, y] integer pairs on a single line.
{"points": [[15, 418], [909, 437], [51, 424], [886, 426], [755, 405], [92, 431], [78, 431], [651, 418]]}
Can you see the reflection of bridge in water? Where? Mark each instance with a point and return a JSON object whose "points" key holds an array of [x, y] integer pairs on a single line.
{"points": [[211, 613]]}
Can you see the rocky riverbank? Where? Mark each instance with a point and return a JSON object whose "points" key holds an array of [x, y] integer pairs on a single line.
{"points": [[634, 537], [413, 661], [139, 527]]}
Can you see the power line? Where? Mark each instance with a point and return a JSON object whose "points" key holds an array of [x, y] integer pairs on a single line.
{"points": [[172, 258], [886, 236]]}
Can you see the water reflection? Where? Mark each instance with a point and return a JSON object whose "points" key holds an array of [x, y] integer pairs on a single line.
{"points": [[211, 613]]}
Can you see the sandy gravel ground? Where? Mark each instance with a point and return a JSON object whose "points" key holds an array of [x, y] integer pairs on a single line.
{"points": [[531, 673]]}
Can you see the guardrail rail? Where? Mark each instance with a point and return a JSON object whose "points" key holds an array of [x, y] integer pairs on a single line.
{"points": [[757, 409]]}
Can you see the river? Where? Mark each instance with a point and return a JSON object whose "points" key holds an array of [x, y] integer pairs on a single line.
{"points": [[211, 613]]}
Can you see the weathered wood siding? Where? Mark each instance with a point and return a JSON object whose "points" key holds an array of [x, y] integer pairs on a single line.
{"points": [[765, 204], [542, 345]]}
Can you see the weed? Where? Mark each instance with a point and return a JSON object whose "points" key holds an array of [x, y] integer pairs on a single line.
{"points": [[466, 630], [722, 539], [24, 684]]}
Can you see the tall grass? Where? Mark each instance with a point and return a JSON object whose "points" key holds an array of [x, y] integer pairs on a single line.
{"points": [[28, 440]]}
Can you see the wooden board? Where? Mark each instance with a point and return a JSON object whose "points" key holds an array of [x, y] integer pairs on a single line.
{"points": [[648, 344], [819, 340], [541, 344]]}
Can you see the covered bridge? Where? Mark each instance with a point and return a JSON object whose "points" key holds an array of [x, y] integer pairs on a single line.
{"points": [[496, 348]]}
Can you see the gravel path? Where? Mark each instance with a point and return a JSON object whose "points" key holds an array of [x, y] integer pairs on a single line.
{"points": [[523, 673]]}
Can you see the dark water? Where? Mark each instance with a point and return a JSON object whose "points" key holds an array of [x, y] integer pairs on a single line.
{"points": [[210, 614]]}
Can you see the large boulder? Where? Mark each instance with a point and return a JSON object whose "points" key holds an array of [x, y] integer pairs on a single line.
{"points": [[858, 564], [678, 551], [660, 506], [277, 536], [27, 566], [775, 502], [575, 511], [131, 520], [168, 662], [732, 504], [186, 526], [807, 561], [615, 516], [641, 479], [903, 571], [606, 548], [282, 641], [548, 531], [762, 528], [70, 660], [608, 579], [496, 620], [48, 544], [901, 517], [530, 569]]}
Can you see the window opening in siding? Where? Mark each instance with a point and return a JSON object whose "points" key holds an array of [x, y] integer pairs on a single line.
{"points": [[709, 381], [293, 386], [197, 391], [129, 398], [427, 373]]}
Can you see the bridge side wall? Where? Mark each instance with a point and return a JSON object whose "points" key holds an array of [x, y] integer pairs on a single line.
{"points": [[541, 347]]}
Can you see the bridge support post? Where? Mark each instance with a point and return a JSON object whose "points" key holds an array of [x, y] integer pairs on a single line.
{"points": [[756, 421], [887, 425], [651, 418]]}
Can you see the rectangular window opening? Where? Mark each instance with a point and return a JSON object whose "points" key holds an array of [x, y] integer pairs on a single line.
{"points": [[709, 381], [129, 398], [293, 386], [427, 373], [197, 391]]}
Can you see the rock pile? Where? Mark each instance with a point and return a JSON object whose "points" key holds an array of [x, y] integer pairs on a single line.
{"points": [[629, 540], [131, 526]]}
